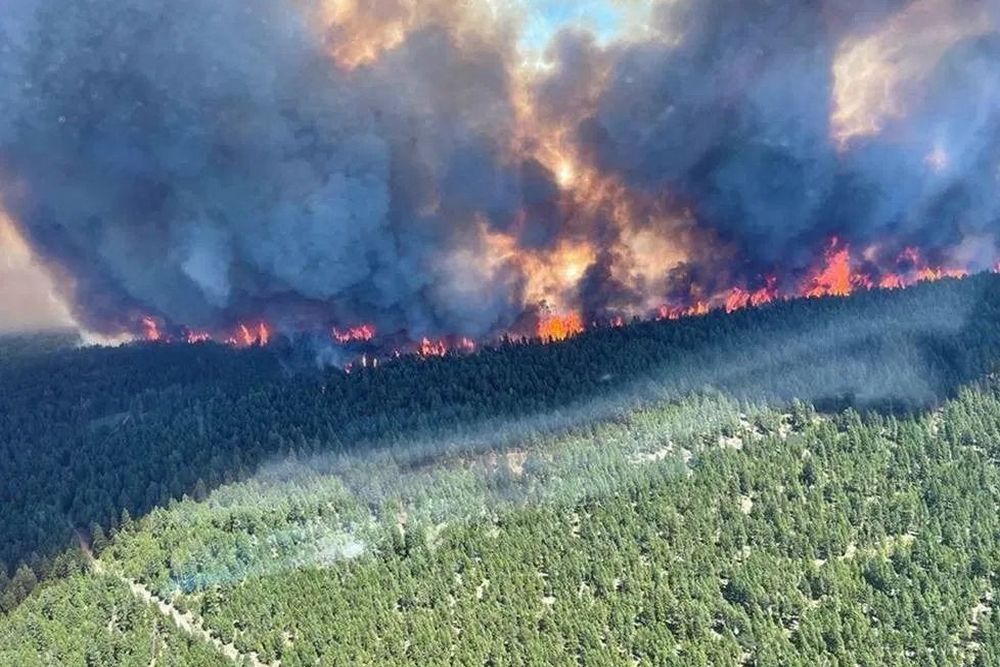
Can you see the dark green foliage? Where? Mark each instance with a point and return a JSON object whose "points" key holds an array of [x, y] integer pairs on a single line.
{"points": [[87, 433], [882, 555], [91, 438]]}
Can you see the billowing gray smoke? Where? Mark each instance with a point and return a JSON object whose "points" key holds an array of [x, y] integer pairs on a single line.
{"points": [[209, 162], [733, 116], [206, 161]]}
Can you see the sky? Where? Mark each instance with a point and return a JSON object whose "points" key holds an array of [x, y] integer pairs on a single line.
{"points": [[546, 17]]}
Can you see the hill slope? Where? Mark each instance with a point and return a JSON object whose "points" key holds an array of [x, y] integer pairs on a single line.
{"points": [[613, 498], [702, 532]]}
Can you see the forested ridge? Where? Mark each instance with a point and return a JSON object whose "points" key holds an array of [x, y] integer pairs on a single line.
{"points": [[348, 501], [699, 532], [90, 433], [757, 538]]}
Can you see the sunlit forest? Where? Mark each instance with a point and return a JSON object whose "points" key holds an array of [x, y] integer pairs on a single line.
{"points": [[810, 482]]}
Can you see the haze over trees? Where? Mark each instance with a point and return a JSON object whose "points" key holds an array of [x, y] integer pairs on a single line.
{"points": [[810, 481]]}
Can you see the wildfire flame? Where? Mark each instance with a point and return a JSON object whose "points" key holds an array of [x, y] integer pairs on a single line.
{"points": [[554, 328], [836, 277], [698, 309], [892, 281], [360, 334], [193, 337], [250, 335], [840, 274], [151, 329], [740, 298], [429, 348], [589, 203]]}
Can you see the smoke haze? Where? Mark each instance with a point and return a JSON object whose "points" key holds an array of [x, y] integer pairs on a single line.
{"points": [[436, 169], [28, 300]]}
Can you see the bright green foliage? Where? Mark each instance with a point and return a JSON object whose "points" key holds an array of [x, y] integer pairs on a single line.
{"points": [[89, 620], [623, 497], [837, 541]]}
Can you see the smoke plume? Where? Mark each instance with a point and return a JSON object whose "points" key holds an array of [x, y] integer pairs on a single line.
{"points": [[418, 167]]}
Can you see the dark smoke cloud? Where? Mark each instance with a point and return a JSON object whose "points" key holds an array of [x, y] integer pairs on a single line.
{"points": [[209, 162], [734, 119], [958, 112], [206, 161], [729, 110]]}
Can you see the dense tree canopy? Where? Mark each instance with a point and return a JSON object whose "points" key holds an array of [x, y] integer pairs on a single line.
{"points": [[665, 492]]}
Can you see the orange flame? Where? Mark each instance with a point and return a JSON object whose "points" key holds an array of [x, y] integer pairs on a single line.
{"points": [[430, 348], [559, 327], [926, 273], [679, 312], [836, 277], [838, 274], [197, 337], [246, 338], [250, 335], [361, 334], [931, 275], [740, 298], [151, 329]]}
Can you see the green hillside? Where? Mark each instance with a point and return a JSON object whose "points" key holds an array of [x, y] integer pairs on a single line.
{"points": [[815, 482]]}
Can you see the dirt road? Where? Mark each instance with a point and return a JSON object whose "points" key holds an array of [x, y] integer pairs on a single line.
{"points": [[186, 621]]}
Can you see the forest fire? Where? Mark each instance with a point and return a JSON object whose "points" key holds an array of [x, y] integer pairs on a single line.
{"points": [[360, 334], [250, 335], [680, 312], [554, 328], [194, 337], [244, 335], [740, 298], [418, 169], [429, 348], [840, 273], [151, 329], [835, 277], [426, 348]]}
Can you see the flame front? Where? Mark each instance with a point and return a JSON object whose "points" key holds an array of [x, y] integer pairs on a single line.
{"points": [[359, 334], [250, 335], [836, 277], [151, 329], [433, 175], [554, 328]]}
